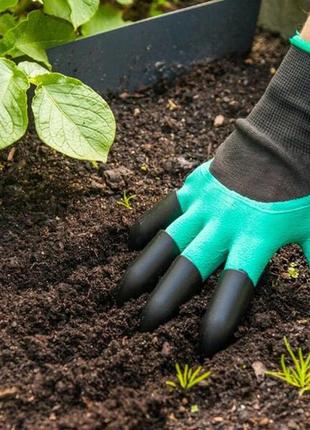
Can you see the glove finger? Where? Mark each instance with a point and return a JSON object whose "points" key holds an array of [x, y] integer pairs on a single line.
{"points": [[185, 228], [230, 301], [157, 218], [142, 274], [251, 255], [181, 281], [156, 257], [209, 249], [179, 284], [244, 266]]}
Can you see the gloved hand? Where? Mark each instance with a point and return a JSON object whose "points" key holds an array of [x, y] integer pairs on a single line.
{"points": [[237, 209]]}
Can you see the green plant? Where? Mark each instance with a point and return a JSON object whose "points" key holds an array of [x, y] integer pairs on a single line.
{"points": [[194, 409], [297, 375], [126, 199], [188, 377], [69, 116], [29, 27]]}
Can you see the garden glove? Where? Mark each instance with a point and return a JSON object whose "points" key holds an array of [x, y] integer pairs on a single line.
{"points": [[237, 209]]}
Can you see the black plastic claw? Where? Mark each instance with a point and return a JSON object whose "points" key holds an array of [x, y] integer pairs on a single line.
{"points": [[157, 218], [179, 283], [143, 273], [229, 303]]}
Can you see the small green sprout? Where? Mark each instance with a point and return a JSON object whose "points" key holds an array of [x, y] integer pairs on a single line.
{"points": [[297, 375], [188, 378], [292, 272], [144, 167], [94, 164], [125, 200], [194, 409]]}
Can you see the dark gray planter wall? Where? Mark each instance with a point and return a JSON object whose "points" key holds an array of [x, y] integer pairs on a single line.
{"points": [[284, 16], [140, 54]]}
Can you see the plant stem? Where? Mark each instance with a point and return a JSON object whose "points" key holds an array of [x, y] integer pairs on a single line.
{"points": [[22, 6]]}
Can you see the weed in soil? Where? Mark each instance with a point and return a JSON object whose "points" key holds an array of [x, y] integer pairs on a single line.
{"points": [[126, 200], [188, 378], [297, 375]]}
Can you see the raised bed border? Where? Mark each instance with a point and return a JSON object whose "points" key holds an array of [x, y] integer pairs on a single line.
{"points": [[140, 54]]}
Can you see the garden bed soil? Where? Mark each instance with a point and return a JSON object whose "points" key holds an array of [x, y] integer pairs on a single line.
{"points": [[70, 357]]}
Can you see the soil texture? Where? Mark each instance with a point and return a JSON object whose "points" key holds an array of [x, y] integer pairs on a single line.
{"points": [[70, 357]]}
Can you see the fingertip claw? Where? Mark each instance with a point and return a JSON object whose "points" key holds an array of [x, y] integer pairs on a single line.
{"points": [[179, 283], [130, 286], [226, 309], [142, 275], [157, 218], [153, 316], [137, 236], [215, 335]]}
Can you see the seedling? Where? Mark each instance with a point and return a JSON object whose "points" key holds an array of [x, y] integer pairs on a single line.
{"points": [[194, 409], [125, 200], [188, 377], [292, 271], [297, 375], [171, 105], [69, 116], [94, 164]]}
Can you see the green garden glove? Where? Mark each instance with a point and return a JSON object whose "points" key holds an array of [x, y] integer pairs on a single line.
{"points": [[237, 209]]}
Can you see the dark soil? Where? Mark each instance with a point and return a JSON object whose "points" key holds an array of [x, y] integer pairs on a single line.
{"points": [[70, 358]]}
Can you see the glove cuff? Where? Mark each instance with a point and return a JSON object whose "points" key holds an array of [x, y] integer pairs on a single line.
{"points": [[267, 157], [300, 43], [283, 114]]}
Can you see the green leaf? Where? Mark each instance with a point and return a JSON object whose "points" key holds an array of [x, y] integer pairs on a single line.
{"points": [[180, 375], [106, 18], [157, 7], [34, 35], [185, 374], [7, 21], [5, 4], [71, 118], [171, 384], [59, 8], [76, 11], [31, 69], [13, 103], [125, 2], [82, 11], [199, 379], [195, 373]]}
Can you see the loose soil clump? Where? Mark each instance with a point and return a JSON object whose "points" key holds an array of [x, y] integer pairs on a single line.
{"points": [[70, 357]]}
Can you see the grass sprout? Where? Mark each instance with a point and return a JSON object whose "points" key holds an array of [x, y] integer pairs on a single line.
{"points": [[297, 375], [188, 377], [126, 199]]}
